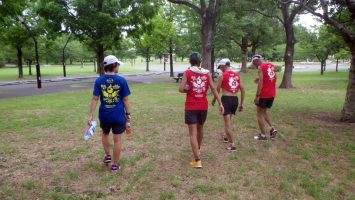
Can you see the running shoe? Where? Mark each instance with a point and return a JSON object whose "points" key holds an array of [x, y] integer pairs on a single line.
{"points": [[231, 148], [273, 133], [225, 138], [115, 167], [196, 164], [260, 137], [107, 159]]}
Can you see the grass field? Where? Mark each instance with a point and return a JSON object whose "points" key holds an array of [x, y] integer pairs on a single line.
{"points": [[56, 70], [43, 155]]}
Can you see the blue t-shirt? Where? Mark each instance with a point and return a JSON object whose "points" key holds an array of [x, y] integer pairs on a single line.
{"points": [[111, 89]]}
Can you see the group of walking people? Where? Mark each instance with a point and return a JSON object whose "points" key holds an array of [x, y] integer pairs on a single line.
{"points": [[114, 112], [197, 81]]}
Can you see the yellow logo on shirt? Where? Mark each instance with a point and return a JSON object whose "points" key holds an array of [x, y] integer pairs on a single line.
{"points": [[110, 94]]}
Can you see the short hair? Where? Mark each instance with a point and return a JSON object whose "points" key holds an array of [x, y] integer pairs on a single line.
{"points": [[195, 59], [110, 68]]}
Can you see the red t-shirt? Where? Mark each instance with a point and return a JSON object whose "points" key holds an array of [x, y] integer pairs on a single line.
{"points": [[196, 97], [231, 81], [269, 84]]}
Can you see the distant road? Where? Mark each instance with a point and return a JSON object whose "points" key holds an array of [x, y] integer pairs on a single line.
{"points": [[72, 84]]}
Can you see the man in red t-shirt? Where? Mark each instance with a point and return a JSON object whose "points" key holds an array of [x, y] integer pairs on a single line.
{"points": [[265, 95], [230, 83], [195, 84]]}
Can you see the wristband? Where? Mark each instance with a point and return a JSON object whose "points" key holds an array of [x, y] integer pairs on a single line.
{"points": [[128, 113], [257, 95]]}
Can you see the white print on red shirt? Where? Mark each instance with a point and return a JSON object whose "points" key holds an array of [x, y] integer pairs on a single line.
{"points": [[233, 83], [199, 84], [271, 73]]}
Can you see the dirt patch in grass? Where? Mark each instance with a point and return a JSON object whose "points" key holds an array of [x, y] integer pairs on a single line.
{"points": [[327, 120]]}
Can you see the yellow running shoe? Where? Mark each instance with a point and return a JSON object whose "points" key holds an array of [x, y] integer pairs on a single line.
{"points": [[196, 164]]}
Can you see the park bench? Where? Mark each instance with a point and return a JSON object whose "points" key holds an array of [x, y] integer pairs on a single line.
{"points": [[179, 77]]}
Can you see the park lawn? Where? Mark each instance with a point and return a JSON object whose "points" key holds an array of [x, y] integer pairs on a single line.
{"points": [[43, 155], [56, 70]]}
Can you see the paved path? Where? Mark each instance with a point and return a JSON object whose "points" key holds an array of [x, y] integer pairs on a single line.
{"points": [[12, 89]]}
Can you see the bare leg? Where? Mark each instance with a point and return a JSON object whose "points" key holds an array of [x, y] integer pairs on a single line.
{"points": [[267, 118], [228, 127], [117, 147], [199, 135], [260, 118], [194, 140], [106, 143]]}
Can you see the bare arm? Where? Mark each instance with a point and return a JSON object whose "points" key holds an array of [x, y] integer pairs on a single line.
{"points": [[215, 94], [93, 105], [182, 84], [219, 85], [242, 96], [260, 86], [127, 109]]}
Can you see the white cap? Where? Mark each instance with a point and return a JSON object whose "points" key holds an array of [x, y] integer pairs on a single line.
{"points": [[108, 60], [256, 57], [224, 61]]}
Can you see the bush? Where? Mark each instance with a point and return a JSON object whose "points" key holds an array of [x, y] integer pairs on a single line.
{"points": [[277, 68], [2, 63]]}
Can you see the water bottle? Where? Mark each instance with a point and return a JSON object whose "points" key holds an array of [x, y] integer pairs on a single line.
{"points": [[90, 131], [128, 129]]}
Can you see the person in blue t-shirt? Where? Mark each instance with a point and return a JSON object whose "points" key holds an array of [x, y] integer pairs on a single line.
{"points": [[113, 92]]}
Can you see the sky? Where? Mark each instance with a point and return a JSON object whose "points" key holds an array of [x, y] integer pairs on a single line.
{"points": [[309, 21]]}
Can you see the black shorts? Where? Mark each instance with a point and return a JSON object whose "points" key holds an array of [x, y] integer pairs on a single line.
{"points": [[265, 102], [116, 128], [195, 116], [230, 104]]}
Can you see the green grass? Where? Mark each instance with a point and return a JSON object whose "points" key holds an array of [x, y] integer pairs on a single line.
{"points": [[56, 70], [43, 155]]}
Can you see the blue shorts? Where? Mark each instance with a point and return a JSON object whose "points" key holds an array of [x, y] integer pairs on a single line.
{"points": [[115, 127]]}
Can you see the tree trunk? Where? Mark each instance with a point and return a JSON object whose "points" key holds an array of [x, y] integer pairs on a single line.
{"points": [[63, 58], [348, 112], [19, 62], [322, 66], [171, 61], [212, 63], [337, 65], [207, 37], [99, 46], [29, 67], [147, 57], [94, 65], [244, 49], [64, 67], [253, 49], [100, 58], [288, 57]]}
